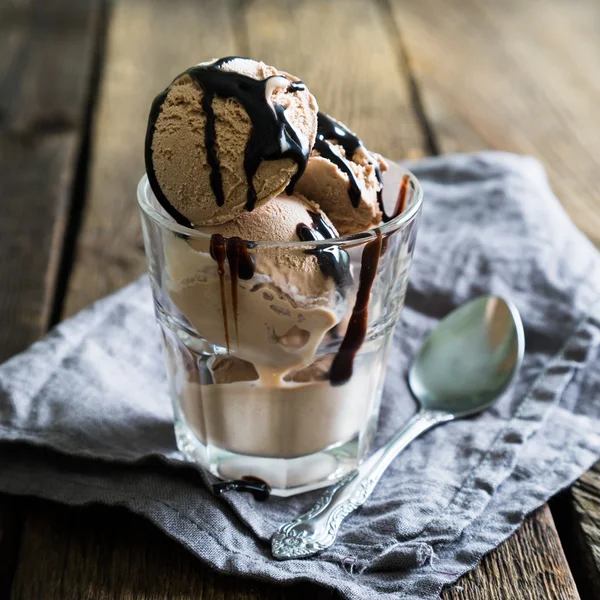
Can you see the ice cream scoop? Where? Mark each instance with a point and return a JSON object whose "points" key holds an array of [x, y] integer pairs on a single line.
{"points": [[227, 136], [276, 313], [344, 178]]}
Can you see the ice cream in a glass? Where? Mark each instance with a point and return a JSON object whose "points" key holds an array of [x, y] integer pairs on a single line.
{"points": [[278, 250]]}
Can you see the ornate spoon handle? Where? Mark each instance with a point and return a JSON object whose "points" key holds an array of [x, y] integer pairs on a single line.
{"points": [[317, 529]]}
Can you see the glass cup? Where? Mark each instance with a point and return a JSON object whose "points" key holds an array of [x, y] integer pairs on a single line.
{"points": [[276, 352]]}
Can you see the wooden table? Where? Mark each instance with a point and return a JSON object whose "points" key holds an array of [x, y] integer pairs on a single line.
{"points": [[413, 77]]}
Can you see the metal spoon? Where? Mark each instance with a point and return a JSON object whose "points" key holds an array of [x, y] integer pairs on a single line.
{"points": [[463, 367]]}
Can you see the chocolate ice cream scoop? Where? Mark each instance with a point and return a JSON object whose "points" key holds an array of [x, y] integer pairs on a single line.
{"points": [[344, 178], [277, 317], [225, 137]]}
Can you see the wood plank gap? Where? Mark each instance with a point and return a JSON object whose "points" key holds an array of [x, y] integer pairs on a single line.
{"points": [[82, 169], [430, 140], [575, 512]]}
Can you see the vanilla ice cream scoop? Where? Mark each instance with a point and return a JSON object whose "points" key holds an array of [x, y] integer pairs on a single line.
{"points": [[225, 137], [344, 178]]}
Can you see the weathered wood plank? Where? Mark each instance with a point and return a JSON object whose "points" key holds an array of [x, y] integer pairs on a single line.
{"points": [[46, 58], [519, 76], [110, 554], [584, 499], [516, 76], [528, 566], [46, 51], [341, 51]]}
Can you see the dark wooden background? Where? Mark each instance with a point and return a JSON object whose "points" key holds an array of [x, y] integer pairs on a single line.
{"points": [[413, 77]]}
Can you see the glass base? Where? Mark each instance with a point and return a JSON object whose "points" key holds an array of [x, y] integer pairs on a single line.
{"points": [[296, 437], [286, 476]]}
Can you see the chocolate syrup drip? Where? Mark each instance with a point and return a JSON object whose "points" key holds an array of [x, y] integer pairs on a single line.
{"points": [[399, 208], [210, 136], [402, 194], [260, 489], [343, 363], [241, 265], [233, 258], [218, 253], [400, 200], [270, 129], [327, 231], [379, 176], [333, 261], [328, 129]]}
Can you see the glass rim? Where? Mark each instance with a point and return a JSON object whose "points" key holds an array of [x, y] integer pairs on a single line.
{"points": [[385, 228]]}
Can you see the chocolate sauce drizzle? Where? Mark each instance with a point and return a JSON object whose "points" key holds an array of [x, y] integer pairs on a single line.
{"points": [[399, 208], [260, 489], [218, 253], [272, 137], [402, 195], [330, 129], [343, 363], [333, 261], [241, 266]]}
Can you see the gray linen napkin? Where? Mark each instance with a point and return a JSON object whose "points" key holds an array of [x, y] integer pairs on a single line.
{"points": [[89, 404]]}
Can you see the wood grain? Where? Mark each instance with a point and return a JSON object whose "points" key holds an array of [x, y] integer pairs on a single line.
{"points": [[529, 566], [584, 499], [46, 51], [341, 51], [46, 59], [516, 76], [100, 553]]}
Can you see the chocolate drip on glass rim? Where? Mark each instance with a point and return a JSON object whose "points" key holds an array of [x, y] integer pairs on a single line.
{"points": [[272, 136], [218, 253], [343, 363], [241, 266], [402, 196], [401, 200]]}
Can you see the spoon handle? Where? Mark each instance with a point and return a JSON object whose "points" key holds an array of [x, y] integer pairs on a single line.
{"points": [[317, 529]]}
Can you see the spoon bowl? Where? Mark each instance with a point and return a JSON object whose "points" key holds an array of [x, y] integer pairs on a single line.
{"points": [[470, 358]]}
